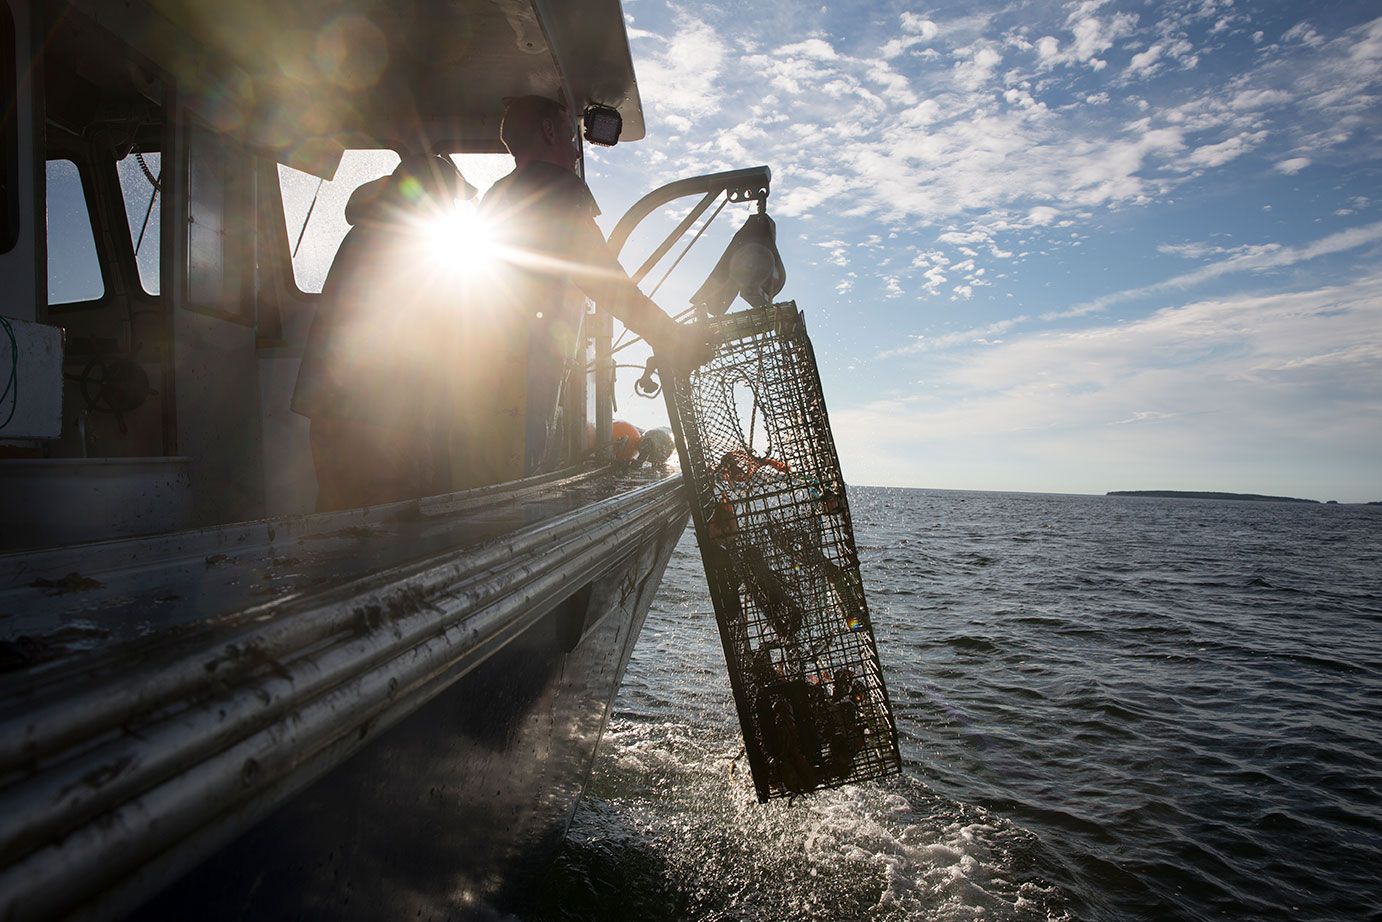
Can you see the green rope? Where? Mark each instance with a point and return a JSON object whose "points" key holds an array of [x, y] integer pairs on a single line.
{"points": [[13, 384]]}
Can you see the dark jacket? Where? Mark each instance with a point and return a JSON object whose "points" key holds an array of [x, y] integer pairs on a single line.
{"points": [[369, 357]]}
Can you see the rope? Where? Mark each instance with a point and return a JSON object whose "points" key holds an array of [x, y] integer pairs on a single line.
{"points": [[753, 418], [12, 386], [148, 173], [762, 383], [674, 265], [638, 339], [619, 343]]}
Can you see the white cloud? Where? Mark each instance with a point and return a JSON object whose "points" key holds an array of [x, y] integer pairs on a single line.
{"points": [[975, 65], [1201, 250], [917, 31], [961, 237], [816, 48], [808, 189], [1253, 335], [852, 137], [1264, 393], [838, 251], [990, 162], [1304, 33], [1091, 36], [1293, 166], [935, 278], [933, 264], [1211, 155], [1144, 416], [1256, 258], [681, 79], [1253, 99], [920, 344], [896, 87], [919, 25], [1144, 63]]}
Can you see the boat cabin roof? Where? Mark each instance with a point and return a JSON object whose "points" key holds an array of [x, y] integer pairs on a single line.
{"points": [[420, 74]]}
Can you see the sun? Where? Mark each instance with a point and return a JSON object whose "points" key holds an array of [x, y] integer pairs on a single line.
{"points": [[461, 241]]}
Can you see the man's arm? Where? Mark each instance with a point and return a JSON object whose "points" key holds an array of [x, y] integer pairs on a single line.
{"points": [[600, 276]]}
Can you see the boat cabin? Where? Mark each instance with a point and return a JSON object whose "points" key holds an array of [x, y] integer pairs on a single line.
{"points": [[175, 176]]}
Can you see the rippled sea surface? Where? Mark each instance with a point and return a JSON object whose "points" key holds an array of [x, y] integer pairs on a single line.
{"points": [[1110, 708]]}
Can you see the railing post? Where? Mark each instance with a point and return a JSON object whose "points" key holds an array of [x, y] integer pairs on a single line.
{"points": [[604, 384]]}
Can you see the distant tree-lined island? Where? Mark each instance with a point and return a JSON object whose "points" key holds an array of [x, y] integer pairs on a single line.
{"points": [[1203, 494]]}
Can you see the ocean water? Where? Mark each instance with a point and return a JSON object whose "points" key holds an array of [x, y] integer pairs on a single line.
{"points": [[1110, 708]]}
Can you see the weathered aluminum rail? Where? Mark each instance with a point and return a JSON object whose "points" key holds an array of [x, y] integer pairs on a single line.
{"points": [[128, 776], [751, 183]]}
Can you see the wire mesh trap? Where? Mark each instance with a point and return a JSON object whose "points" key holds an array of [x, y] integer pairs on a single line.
{"points": [[772, 520]]}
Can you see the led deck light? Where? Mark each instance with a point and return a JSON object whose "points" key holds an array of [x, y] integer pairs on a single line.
{"points": [[602, 125]]}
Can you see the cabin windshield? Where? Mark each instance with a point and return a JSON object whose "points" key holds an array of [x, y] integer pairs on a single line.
{"points": [[483, 170], [314, 209], [139, 189]]}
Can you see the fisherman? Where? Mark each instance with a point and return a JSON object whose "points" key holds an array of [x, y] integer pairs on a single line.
{"points": [[545, 217], [370, 373]]}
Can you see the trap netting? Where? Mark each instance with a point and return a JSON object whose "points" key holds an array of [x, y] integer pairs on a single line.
{"points": [[773, 524]]}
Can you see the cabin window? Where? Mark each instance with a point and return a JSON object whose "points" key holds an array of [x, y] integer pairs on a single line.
{"points": [[483, 170], [138, 187], [74, 269], [314, 211], [9, 133]]}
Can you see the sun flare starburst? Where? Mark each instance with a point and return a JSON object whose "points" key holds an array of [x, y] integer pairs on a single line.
{"points": [[462, 241]]}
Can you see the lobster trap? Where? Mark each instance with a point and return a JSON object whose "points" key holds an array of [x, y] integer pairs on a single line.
{"points": [[772, 520]]}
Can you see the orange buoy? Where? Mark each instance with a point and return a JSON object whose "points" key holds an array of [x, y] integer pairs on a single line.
{"points": [[626, 439]]}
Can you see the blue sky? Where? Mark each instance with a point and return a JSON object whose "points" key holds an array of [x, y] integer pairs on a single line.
{"points": [[1067, 247]]}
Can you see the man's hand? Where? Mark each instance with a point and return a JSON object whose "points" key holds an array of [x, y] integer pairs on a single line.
{"points": [[682, 348], [678, 347]]}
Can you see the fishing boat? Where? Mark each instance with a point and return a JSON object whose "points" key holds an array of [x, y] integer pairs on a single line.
{"points": [[215, 702]]}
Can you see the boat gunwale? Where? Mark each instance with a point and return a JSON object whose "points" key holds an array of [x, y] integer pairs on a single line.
{"points": [[77, 688], [130, 550]]}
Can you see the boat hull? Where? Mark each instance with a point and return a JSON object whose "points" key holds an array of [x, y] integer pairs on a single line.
{"points": [[462, 806], [407, 741]]}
